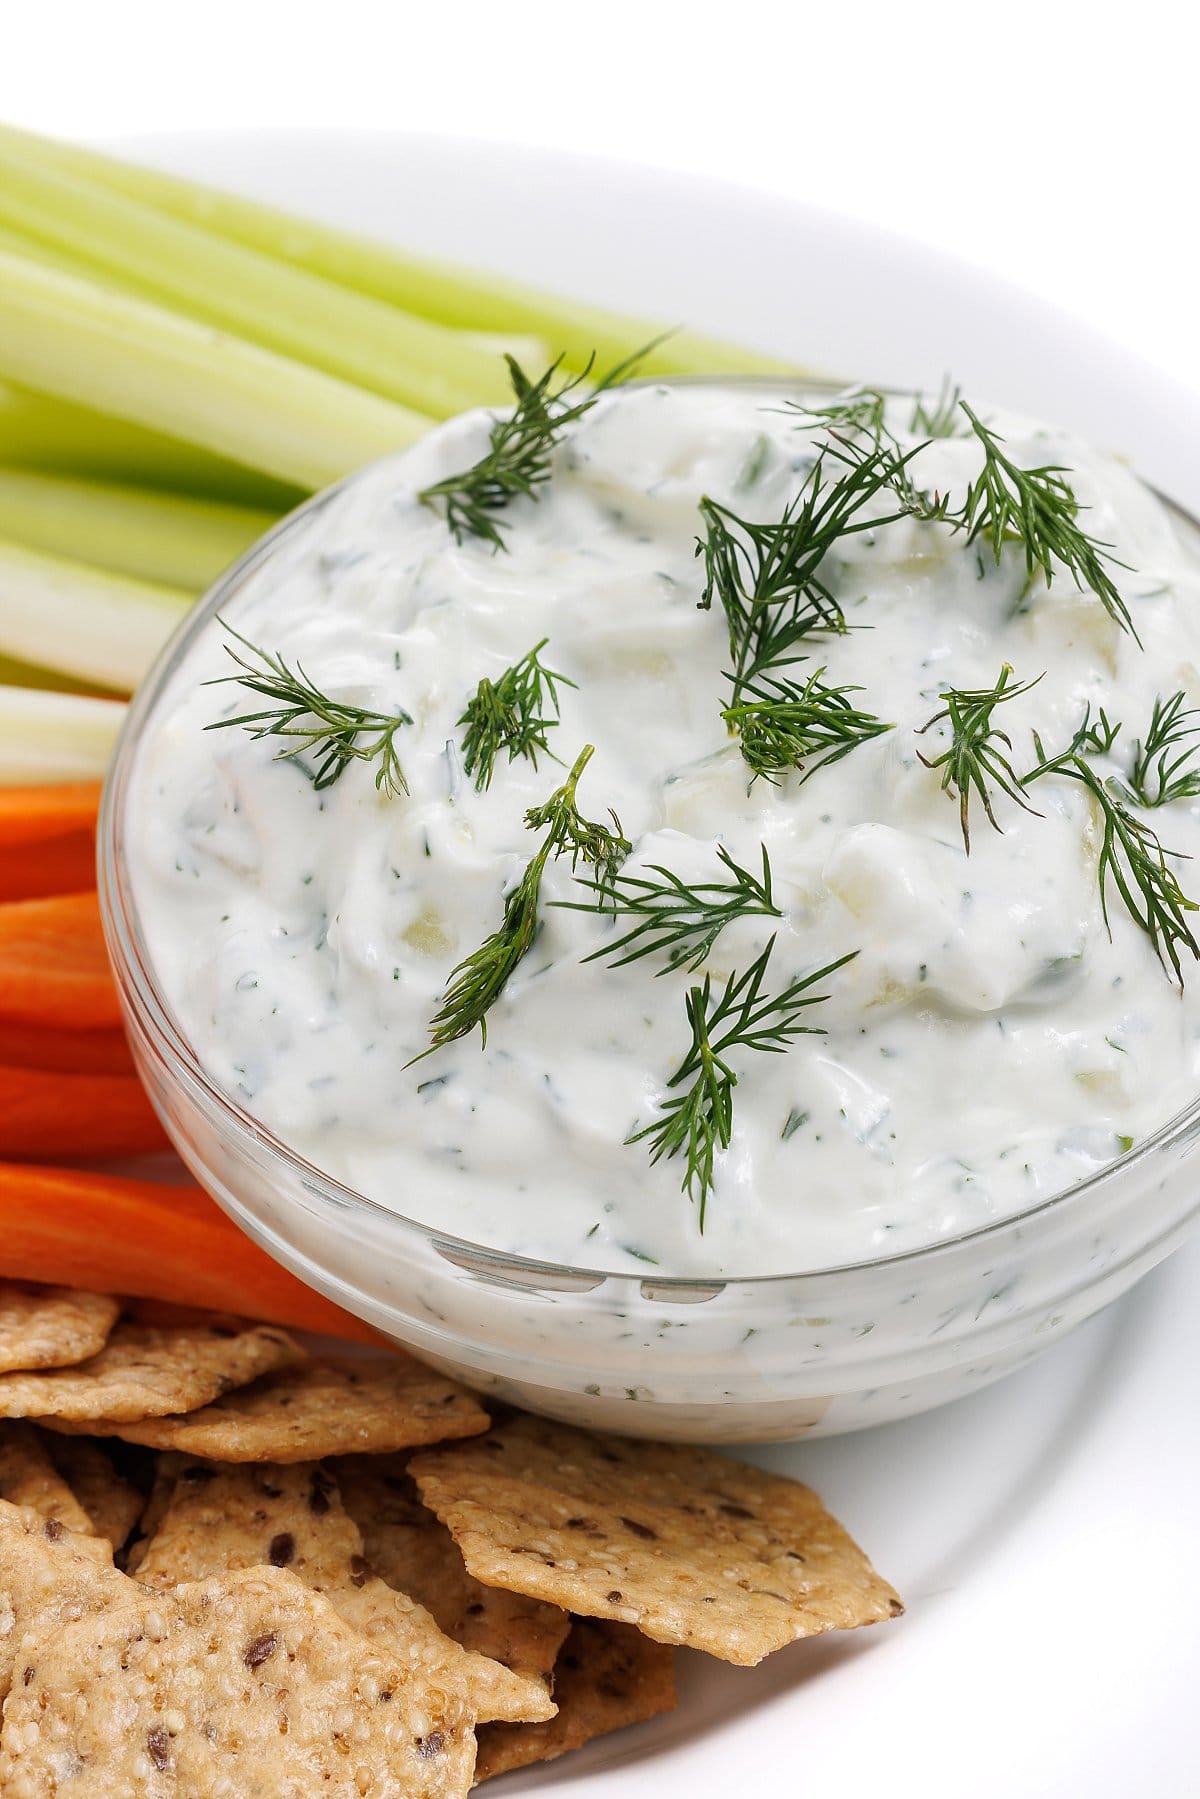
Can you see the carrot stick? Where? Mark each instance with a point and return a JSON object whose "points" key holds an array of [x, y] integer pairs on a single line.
{"points": [[46, 1117], [46, 866], [68, 1052], [98, 1231], [53, 965], [31, 814]]}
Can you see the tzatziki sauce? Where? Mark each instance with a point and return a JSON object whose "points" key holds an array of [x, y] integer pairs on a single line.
{"points": [[994, 1038]]}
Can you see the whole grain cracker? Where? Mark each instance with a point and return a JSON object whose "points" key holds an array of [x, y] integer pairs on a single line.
{"points": [[607, 1676], [246, 1684], [48, 1576], [143, 1372], [166, 1472], [52, 1327], [686, 1544], [328, 1407], [411, 1549], [111, 1503], [221, 1518], [29, 1477]]}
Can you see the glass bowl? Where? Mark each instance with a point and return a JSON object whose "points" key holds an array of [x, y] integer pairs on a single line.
{"points": [[720, 1361]]}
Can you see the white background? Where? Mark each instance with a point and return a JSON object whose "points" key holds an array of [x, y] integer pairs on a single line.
{"points": [[1053, 142]]}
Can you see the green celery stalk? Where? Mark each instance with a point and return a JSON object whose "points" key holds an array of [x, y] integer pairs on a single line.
{"points": [[13, 243], [206, 276], [436, 290], [115, 354], [47, 737], [41, 432], [103, 629], [14, 673], [530, 352], [171, 538]]}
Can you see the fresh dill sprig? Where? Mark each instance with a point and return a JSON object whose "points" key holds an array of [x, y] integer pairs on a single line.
{"points": [[673, 917], [1157, 776], [862, 409], [477, 982], [520, 445], [784, 725], [1097, 738], [336, 732], [602, 849], [511, 714], [1131, 856], [979, 751], [1037, 509], [698, 1121], [913, 501], [941, 417], [767, 576]]}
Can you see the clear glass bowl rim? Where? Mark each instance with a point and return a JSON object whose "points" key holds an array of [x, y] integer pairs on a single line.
{"points": [[134, 967]]}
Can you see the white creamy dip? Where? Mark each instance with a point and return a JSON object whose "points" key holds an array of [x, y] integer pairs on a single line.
{"points": [[989, 1044]]}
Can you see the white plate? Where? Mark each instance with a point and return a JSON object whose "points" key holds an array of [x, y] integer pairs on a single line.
{"points": [[1046, 1533]]}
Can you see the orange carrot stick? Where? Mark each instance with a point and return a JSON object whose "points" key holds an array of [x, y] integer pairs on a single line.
{"points": [[76, 1229], [55, 1116], [31, 814], [53, 966], [68, 1052], [64, 864]]}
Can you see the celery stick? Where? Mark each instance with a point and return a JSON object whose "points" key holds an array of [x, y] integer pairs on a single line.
{"points": [[14, 673], [531, 352], [104, 629], [41, 432], [209, 277], [119, 355], [160, 537], [15, 243], [436, 290], [48, 737]]}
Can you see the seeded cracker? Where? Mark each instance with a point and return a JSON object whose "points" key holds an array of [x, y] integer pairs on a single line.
{"points": [[219, 1519], [245, 1685], [166, 1472], [28, 1477], [689, 1546], [112, 1504], [608, 1675], [48, 1576], [142, 1372], [52, 1327], [410, 1549], [321, 1409]]}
